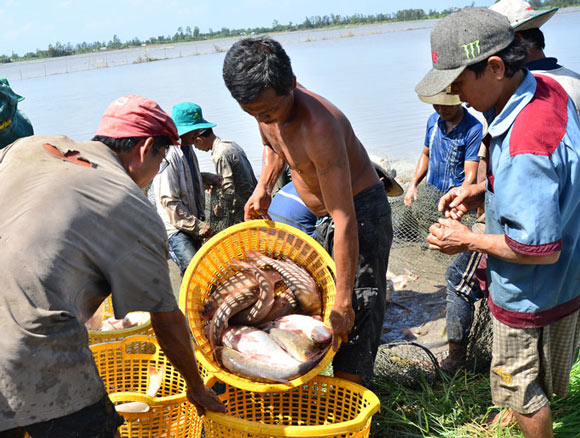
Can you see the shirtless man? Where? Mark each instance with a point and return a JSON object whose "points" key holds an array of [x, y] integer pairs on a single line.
{"points": [[334, 177]]}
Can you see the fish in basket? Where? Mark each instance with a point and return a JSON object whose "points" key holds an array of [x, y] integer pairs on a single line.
{"points": [[258, 299]]}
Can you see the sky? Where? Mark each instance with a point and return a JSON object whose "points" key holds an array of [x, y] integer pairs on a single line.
{"points": [[28, 25]]}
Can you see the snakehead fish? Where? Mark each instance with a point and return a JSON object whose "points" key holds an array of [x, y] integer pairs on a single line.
{"points": [[238, 281], [232, 304], [284, 303], [296, 278], [265, 300]]}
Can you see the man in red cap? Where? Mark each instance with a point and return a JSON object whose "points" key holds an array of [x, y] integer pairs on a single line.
{"points": [[78, 228]]}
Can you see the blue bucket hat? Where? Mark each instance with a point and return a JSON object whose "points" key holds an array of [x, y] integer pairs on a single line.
{"points": [[189, 117], [13, 123]]}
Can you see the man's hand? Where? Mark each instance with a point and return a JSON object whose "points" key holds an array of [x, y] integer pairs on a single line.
{"points": [[341, 321], [204, 398], [257, 205], [211, 180], [204, 230], [218, 210], [411, 194], [449, 236], [459, 200]]}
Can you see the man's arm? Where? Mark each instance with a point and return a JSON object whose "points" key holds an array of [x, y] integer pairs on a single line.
{"points": [[420, 172], [211, 180], [272, 167], [470, 169], [168, 195], [451, 237], [333, 170], [175, 341]]}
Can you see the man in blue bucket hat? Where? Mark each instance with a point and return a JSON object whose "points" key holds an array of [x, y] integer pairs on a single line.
{"points": [[13, 123], [231, 163], [178, 189]]}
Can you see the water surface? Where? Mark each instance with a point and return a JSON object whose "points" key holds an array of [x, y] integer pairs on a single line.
{"points": [[369, 72]]}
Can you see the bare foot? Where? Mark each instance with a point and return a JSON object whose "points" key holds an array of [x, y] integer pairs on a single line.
{"points": [[503, 418]]}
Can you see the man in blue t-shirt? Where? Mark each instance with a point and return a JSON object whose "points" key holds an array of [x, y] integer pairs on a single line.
{"points": [[452, 142]]}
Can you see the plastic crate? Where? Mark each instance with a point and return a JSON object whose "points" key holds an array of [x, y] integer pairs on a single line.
{"points": [[323, 407], [210, 267], [124, 366], [100, 336]]}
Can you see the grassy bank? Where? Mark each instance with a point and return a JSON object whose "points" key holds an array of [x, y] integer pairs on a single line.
{"points": [[458, 407]]}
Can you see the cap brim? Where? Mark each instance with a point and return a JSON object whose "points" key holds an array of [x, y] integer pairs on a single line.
{"points": [[436, 81], [184, 129], [442, 99], [537, 20]]}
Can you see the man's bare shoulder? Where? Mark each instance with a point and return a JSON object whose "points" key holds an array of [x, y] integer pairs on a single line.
{"points": [[319, 114]]}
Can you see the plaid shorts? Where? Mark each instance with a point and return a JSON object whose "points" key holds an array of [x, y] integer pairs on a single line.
{"points": [[530, 365]]}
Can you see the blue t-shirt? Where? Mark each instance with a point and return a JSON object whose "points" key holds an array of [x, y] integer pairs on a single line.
{"points": [[288, 208], [533, 198], [449, 151]]}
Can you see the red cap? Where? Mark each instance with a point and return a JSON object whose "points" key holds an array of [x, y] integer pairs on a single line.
{"points": [[136, 116]]}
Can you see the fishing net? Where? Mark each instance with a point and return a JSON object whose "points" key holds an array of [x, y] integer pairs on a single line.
{"points": [[480, 338], [411, 224], [223, 209], [407, 363]]}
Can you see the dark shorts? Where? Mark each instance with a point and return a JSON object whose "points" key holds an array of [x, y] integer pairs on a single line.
{"points": [[375, 235], [100, 420]]}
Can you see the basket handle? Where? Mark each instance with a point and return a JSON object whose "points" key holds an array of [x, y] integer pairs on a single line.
{"points": [[131, 402], [139, 339]]}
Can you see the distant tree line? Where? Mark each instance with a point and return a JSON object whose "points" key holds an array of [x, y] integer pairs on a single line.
{"points": [[190, 34]]}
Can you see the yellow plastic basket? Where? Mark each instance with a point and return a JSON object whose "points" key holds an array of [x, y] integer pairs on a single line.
{"points": [[210, 267], [97, 336], [323, 407], [124, 366]]}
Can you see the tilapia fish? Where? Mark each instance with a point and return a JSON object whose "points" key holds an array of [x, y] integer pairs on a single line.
{"points": [[265, 300], [297, 345], [232, 304], [238, 281], [296, 278], [258, 344], [313, 328], [248, 366]]}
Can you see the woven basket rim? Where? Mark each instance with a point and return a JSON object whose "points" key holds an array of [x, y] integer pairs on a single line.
{"points": [[355, 424]]}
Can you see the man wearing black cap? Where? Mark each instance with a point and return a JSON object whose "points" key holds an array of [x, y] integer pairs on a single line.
{"points": [[532, 239]]}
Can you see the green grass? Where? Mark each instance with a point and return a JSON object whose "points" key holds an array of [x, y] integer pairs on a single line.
{"points": [[458, 408]]}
